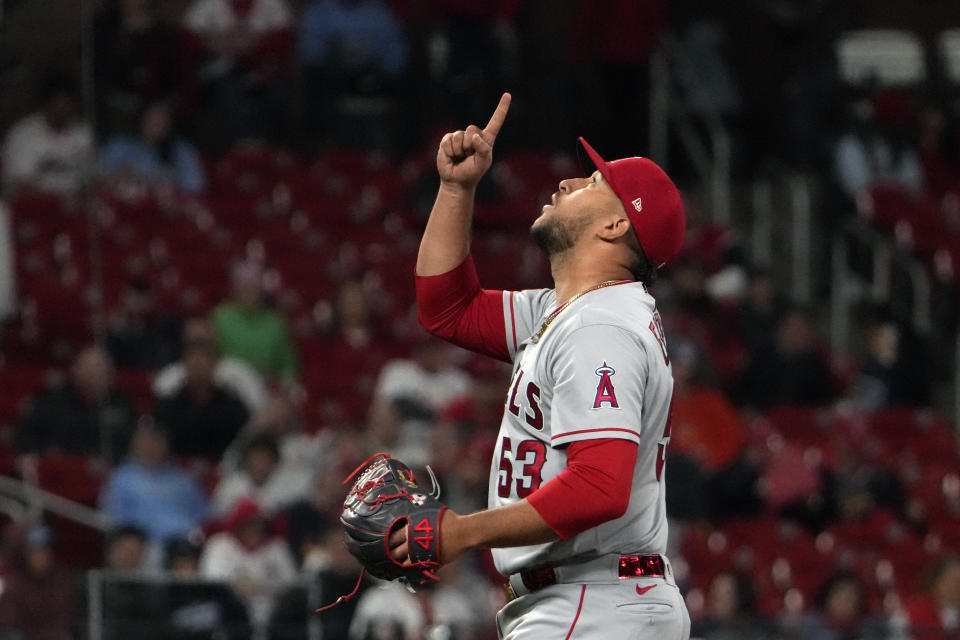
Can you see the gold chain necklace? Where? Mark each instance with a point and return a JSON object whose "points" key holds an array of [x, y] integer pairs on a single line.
{"points": [[553, 316]]}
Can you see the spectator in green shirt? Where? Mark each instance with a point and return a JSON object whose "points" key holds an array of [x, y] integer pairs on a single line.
{"points": [[248, 329]]}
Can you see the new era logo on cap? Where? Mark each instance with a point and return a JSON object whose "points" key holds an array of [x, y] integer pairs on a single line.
{"points": [[642, 186]]}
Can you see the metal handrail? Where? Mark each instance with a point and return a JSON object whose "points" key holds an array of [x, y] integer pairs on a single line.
{"points": [[659, 112], [848, 288], [64, 507], [714, 163], [884, 260], [14, 509], [839, 317], [920, 280], [801, 224], [761, 233]]}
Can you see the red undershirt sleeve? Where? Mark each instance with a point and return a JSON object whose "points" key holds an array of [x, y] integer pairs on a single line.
{"points": [[453, 306], [594, 488]]}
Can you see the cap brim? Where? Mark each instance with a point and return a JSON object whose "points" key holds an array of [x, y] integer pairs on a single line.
{"points": [[597, 161]]}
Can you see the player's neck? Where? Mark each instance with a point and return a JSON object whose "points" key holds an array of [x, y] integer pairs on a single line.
{"points": [[572, 276]]}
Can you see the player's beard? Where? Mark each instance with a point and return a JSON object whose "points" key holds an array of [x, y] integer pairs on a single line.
{"points": [[555, 236]]}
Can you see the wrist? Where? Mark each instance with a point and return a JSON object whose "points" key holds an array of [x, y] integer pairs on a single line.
{"points": [[457, 189], [454, 537]]}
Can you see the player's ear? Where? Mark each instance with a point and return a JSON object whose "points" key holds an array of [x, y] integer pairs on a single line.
{"points": [[614, 227]]}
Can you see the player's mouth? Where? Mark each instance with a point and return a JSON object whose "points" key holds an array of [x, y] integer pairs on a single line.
{"points": [[553, 201]]}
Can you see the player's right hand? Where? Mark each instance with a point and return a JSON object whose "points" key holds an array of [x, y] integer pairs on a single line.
{"points": [[464, 156]]}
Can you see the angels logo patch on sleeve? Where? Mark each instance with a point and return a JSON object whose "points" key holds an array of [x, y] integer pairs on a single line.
{"points": [[605, 390]]}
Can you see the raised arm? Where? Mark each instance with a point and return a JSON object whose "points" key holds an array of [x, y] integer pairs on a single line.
{"points": [[462, 160], [450, 302]]}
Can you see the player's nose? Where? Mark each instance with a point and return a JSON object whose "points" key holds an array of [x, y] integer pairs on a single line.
{"points": [[572, 184]]}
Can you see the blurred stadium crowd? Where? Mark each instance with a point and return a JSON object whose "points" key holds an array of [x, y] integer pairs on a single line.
{"points": [[207, 243]]}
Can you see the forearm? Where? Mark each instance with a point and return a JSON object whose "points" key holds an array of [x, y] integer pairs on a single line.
{"points": [[446, 238], [515, 525], [594, 488]]}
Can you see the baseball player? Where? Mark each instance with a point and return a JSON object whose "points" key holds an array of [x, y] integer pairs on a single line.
{"points": [[577, 517]]}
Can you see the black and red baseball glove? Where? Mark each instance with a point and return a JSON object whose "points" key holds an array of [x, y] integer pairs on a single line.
{"points": [[384, 498]]}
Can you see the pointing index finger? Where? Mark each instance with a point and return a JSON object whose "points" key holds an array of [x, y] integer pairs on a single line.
{"points": [[499, 115]]}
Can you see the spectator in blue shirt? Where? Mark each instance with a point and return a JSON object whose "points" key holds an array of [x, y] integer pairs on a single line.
{"points": [[150, 492], [355, 49], [353, 35], [156, 156]]}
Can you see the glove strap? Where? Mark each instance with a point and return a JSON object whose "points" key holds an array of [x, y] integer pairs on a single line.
{"points": [[423, 535]]}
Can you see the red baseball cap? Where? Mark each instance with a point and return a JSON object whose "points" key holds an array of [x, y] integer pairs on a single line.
{"points": [[651, 200]]}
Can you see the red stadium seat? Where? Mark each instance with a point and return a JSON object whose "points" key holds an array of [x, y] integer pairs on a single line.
{"points": [[922, 432], [137, 382], [77, 478]]}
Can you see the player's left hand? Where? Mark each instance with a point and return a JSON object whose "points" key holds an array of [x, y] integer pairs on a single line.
{"points": [[386, 496], [449, 545]]}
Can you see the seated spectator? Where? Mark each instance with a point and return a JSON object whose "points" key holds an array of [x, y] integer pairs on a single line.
{"points": [[182, 558], [154, 157], [301, 453], [243, 46], [466, 476], [881, 152], [350, 319], [151, 493], [934, 612], [261, 479], [335, 573], [195, 608], [862, 486], [246, 328], [353, 47], [426, 384], [126, 549], [939, 148], [124, 610], [761, 310], [708, 474], [39, 598], [348, 38], [202, 418], [257, 565], [705, 427], [137, 58], [50, 149], [730, 611], [438, 609], [792, 370], [230, 373], [74, 416], [309, 520], [797, 486], [141, 334], [895, 369], [689, 312], [841, 613], [351, 349]]}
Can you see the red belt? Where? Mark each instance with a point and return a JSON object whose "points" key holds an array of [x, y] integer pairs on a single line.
{"points": [[629, 567]]}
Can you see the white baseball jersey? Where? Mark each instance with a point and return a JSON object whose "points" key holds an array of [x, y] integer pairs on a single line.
{"points": [[600, 370]]}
